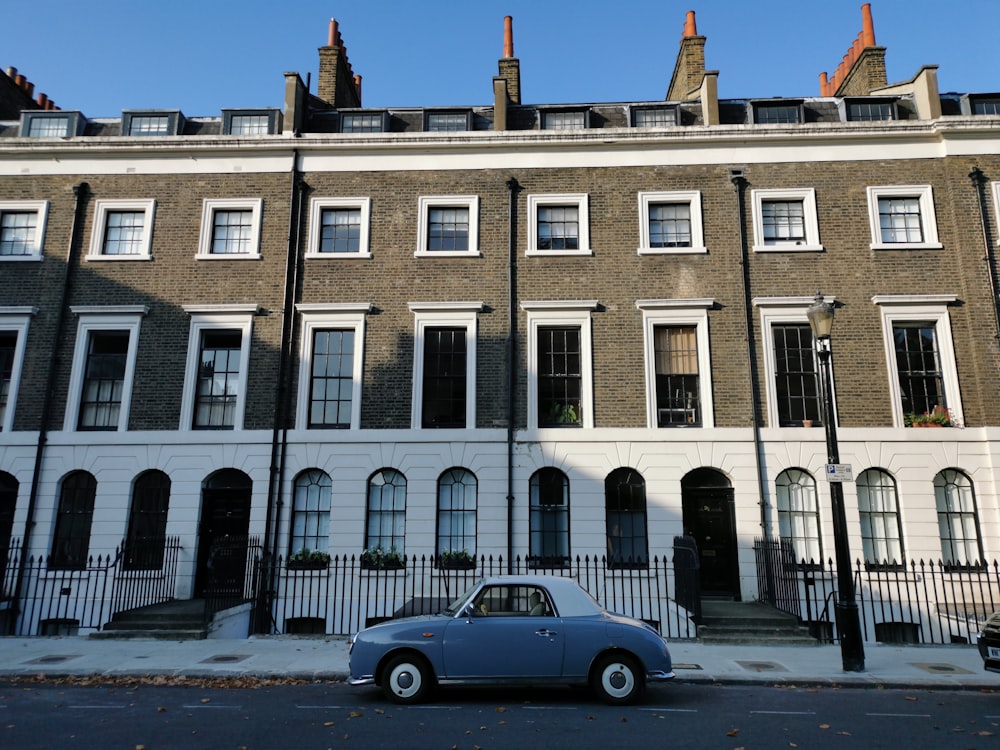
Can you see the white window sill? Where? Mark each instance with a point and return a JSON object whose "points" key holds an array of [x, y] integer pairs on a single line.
{"points": [[907, 246], [672, 250], [338, 256], [790, 247]]}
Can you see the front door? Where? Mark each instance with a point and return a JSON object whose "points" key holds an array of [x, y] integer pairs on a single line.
{"points": [[709, 517], [222, 534]]}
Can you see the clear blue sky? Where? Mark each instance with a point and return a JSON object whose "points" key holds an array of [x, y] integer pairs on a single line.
{"points": [[105, 56]]}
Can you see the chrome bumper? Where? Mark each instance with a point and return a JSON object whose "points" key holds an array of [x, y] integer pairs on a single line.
{"points": [[363, 680], [659, 676]]}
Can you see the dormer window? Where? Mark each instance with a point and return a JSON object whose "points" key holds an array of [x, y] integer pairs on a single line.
{"points": [[870, 110], [565, 119], [654, 117], [57, 124], [364, 122], [156, 123], [447, 122], [985, 104], [250, 121], [777, 112]]}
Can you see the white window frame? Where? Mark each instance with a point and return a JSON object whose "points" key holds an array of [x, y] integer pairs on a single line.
{"points": [[444, 315], [41, 209], [210, 207], [216, 317], [692, 198], [100, 229], [678, 312], [995, 186], [18, 320], [775, 311], [902, 308], [562, 314], [319, 316], [811, 224], [315, 243], [580, 200], [925, 197], [103, 318], [424, 206]]}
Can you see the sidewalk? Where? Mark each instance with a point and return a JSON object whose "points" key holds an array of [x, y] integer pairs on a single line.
{"points": [[315, 658]]}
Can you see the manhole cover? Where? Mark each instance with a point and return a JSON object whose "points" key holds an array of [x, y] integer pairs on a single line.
{"points": [[938, 668], [762, 666], [53, 659], [225, 659]]}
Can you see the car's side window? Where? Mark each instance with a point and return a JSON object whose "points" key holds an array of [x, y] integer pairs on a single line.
{"points": [[513, 601]]}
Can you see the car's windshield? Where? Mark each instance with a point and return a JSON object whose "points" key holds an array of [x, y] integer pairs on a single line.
{"points": [[456, 606]]}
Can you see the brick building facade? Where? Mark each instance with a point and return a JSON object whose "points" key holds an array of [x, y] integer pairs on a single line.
{"points": [[514, 330]]}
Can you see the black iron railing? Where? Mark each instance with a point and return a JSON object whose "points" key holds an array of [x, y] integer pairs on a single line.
{"points": [[233, 566], [56, 601], [912, 602], [343, 596]]}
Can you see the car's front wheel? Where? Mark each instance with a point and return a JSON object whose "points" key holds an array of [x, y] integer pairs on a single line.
{"points": [[617, 679], [406, 679]]}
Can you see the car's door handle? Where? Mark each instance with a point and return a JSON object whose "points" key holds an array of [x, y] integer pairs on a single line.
{"points": [[545, 632]]}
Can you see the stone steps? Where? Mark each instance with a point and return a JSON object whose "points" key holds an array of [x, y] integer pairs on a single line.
{"points": [[174, 620], [740, 622]]}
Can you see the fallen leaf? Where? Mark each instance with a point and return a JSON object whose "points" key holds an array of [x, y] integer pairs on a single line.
{"points": [[912, 698], [732, 732], [140, 747], [500, 709], [844, 734], [379, 711], [160, 709], [206, 700], [355, 714], [328, 724], [984, 733], [824, 726]]}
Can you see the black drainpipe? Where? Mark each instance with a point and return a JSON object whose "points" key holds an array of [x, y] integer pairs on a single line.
{"points": [[80, 193], [282, 400], [740, 183], [979, 183], [512, 365]]}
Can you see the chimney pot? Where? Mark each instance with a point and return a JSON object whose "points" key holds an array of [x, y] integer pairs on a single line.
{"points": [[11, 71], [867, 26], [690, 27], [42, 100], [508, 37], [334, 32]]}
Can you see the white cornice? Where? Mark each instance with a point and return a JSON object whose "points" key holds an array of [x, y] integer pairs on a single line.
{"points": [[523, 149]]}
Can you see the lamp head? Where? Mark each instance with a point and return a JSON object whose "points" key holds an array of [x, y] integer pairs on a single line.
{"points": [[820, 314]]}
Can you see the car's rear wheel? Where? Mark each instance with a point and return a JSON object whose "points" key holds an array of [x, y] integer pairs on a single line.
{"points": [[406, 679], [617, 679]]}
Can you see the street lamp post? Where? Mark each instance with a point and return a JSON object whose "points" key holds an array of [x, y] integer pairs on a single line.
{"points": [[852, 649]]}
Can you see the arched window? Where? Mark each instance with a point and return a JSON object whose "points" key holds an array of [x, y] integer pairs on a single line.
{"points": [[958, 521], [71, 538], [549, 518], [798, 514], [386, 523], [311, 512], [878, 507], [456, 519], [625, 518], [147, 522]]}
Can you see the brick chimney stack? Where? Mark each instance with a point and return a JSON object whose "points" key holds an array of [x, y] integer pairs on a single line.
{"points": [[689, 70], [862, 68], [337, 85], [510, 66]]}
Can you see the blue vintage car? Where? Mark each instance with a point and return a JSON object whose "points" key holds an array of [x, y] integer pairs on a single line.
{"points": [[515, 630]]}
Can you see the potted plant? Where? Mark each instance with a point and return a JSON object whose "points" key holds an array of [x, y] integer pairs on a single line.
{"points": [[450, 559], [380, 558], [308, 559], [563, 414], [937, 417]]}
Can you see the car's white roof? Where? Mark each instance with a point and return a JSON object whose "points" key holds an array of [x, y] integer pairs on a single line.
{"points": [[570, 599]]}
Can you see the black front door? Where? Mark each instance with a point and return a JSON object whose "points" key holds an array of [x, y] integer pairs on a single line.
{"points": [[709, 517], [222, 534]]}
